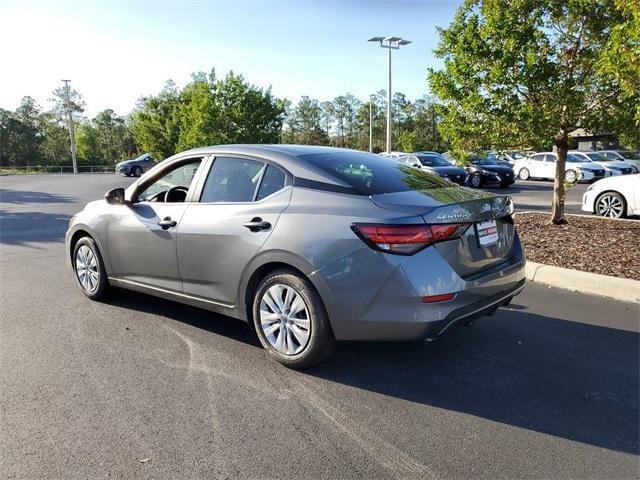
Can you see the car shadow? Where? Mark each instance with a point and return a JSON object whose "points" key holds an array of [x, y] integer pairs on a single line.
{"points": [[562, 378], [552, 376], [196, 317]]}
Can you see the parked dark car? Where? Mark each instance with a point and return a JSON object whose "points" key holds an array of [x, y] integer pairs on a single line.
{"points": [[436, 163], [484, 170], [137, 166]]}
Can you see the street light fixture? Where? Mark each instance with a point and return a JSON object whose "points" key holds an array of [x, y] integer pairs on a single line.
{"points": [[390, 43]]}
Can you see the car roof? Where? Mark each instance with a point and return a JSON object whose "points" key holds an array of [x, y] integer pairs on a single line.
{"points": [[290, 157]]}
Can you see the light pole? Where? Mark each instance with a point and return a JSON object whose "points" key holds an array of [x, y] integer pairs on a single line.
{"points": [[371, 123], [390, 43], [72, 136]]}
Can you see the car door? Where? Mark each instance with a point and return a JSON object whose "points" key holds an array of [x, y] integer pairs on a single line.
{"points": [[142, 234], [533, 164], [548, 166], [240, 203]]}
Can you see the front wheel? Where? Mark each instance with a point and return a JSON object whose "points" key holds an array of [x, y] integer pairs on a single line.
{"points": [[290, 320], [476, 180], [137, 171], [611, 204], [90, 271], [524, 174]]}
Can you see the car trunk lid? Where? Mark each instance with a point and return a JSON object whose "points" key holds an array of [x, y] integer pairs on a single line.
{"points": [[487, 241]]}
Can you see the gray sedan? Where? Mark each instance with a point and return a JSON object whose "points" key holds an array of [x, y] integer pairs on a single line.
{"points": [[309, 245]]}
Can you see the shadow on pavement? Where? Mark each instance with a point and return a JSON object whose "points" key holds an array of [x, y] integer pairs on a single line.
{"points": [[20, 197], [18, 228], [561, 378], [196, 317], [565, 379]]}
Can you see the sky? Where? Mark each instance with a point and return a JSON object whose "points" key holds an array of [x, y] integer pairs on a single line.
{"points": [[114, 52]]}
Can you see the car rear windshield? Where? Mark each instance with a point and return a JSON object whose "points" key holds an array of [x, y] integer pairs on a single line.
{"points": [[372, 174], [433, 160]]}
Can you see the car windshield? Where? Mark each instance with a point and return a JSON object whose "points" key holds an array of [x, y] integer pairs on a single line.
{"points": [[483, 161], [575, 158], [433, 161], [631, 155], [142, 157], [598, 157], [516, 155], [371, 174]]}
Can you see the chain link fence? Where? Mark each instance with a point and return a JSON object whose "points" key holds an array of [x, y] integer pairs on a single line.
{"points": [[46, 169]]}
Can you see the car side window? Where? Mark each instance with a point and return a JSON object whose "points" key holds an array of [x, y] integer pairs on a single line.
{"points": [[272, 181], [550, 158], [232, 180], [179, 179]]}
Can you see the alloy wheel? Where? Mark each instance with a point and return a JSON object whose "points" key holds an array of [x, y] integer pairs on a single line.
{"points": [[610, 206], [284, 319], [476, 181], [570, 176], [87, 268]]}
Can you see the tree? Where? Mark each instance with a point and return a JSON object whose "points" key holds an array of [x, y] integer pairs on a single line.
{"points": [[504, 86], [155, 122]]}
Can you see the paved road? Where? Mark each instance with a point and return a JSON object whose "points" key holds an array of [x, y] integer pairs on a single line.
{"points": [[537, 195], [144, 388]]}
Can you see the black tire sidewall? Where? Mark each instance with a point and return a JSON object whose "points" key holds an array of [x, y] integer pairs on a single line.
{"points": [[104, 289], [137, 171], [321, 340], [524, 170], [575, 176]]}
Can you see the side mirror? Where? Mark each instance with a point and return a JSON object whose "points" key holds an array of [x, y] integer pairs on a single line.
{"points": [[115, 196], [416, 165]]}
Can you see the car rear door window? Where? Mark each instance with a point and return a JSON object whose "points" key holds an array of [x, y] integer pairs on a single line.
{"points": [[232, 180], [272, 181]]}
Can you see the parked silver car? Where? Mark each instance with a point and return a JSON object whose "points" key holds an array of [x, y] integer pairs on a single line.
{"points": [[309, 245]]}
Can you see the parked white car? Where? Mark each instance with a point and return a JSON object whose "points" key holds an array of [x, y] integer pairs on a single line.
{"points": [[543, 165], [627, 156], [393, 155], [614, 197], [612, 167]]}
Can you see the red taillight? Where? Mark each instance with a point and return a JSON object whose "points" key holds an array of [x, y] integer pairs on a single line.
{"points": [[406, 239], [445, 297]]}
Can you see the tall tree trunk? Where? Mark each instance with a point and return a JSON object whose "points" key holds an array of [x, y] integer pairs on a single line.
{"points": [[557, 205]]}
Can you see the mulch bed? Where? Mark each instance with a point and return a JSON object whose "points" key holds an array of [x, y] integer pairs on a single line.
{"points": [[597, 245]]}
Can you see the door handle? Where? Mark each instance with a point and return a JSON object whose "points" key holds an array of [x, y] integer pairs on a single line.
{"points": [[167, 223], [256, 224]]}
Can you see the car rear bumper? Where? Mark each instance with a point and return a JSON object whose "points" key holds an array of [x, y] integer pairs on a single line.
{"points": [[388, 305]]}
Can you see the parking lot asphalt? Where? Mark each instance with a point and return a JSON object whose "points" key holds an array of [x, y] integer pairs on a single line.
{"points": [[144, 388]]}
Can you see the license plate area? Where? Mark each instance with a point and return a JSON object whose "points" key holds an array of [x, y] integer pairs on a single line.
{"points": [[486, 233]]}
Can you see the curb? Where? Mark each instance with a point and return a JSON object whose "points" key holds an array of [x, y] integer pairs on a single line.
{"points": [[624, 289]]}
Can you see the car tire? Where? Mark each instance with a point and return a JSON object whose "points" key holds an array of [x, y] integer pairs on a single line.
{"points": [[476, 180], [136, 171], [610, 204], [298, 341], [524, 174], [571, 176], [89, 269]]}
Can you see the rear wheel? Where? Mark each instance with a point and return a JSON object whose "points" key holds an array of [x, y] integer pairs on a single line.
{"points": [[90, 271], [291, 321], [137, 171], [611, 204], [476, 180], [570, 176], [524, 174]]}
